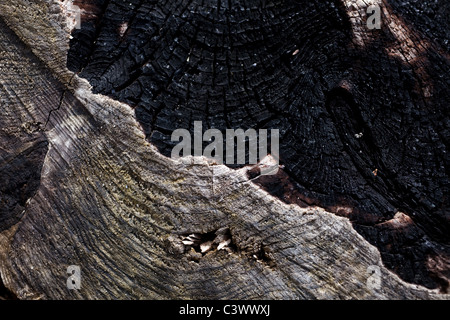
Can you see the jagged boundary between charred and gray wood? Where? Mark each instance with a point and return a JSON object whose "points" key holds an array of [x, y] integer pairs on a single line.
{"points": [[293, 66]]}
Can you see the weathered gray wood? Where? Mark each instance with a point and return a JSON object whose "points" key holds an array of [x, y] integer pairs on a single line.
{"points": [[110, 203]]}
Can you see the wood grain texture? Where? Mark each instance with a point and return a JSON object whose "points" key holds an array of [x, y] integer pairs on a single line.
{"points": [[91, 190]]}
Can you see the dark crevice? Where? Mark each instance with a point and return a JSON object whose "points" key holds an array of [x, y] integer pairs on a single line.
{"points": [[20, 176], [263, 256]]}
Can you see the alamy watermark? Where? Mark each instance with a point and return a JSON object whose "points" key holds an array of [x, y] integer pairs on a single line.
{"points": [[256, 140], [74, 279]]}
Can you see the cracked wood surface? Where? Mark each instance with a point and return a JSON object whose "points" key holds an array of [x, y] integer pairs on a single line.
{"points": [[81, 185]]}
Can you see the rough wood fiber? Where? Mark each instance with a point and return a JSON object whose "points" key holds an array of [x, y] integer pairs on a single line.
{"points": [[81, 185]]}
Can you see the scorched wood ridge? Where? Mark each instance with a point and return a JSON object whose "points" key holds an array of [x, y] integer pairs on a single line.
{"points": [[364, 132]]}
